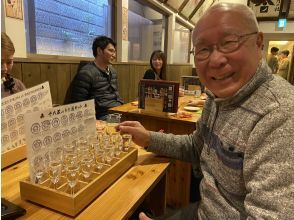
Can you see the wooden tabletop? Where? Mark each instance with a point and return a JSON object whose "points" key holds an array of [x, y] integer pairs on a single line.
{"points": [[117, 202], [132, 108]]}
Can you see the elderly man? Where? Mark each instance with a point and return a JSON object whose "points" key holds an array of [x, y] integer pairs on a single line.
{"points": [[244, 140], [98, 80]]}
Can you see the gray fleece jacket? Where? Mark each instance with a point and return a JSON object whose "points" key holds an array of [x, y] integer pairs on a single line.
{"points": [[244, 147]]}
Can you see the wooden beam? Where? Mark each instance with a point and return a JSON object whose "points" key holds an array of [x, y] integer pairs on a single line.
{"points": [[183, 5], [196, 9]]}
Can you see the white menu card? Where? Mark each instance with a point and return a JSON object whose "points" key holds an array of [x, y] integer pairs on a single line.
{"points": [[52, 128], [13, 109]]}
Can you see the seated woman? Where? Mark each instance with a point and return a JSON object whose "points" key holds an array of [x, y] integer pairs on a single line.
{"points": [[158, 66], [9, 85]]}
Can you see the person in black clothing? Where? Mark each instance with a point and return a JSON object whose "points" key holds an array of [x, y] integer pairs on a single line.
{"points": [[158, 66], [98, 80]]}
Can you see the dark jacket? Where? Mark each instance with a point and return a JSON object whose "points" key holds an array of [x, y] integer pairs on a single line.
{"points": [[94, 83], [150, 74]]}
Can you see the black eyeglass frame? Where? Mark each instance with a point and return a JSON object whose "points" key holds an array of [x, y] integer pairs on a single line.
{"points": [[219, 48]]}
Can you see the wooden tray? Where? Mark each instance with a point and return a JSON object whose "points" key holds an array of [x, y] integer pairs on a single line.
{"points": [[61, 200], [12, 156]]}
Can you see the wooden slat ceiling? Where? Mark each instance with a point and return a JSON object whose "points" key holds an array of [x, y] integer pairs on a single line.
{"points": [[192, 10], [185, 8]]}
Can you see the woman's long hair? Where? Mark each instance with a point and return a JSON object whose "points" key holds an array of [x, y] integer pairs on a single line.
{"points": [[161, 55]]}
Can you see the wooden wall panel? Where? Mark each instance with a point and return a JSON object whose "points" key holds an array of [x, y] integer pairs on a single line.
{"points": [[16, 70], [174, 72], [49, 73], [137, 73], [123, 74], [73, 72], [31, 74], [63, 82], [60, 75]]}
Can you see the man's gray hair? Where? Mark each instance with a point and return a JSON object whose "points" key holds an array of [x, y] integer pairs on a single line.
{"points": [[242, 9]]}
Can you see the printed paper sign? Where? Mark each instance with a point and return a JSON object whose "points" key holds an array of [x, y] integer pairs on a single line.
{"points": [[13, 109], [52, 128], [158, 95]]}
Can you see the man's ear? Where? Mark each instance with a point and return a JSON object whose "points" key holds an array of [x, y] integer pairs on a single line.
{"points": [[259, 40], [99, 51]]}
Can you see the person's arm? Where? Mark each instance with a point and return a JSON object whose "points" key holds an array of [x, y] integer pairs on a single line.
{"points": [[268, 167], [183, 147], [81, 86], [196, 102]]}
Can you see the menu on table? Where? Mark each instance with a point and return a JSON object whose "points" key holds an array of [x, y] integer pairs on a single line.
{"points": [[13, 109], [52, 128], [158, 95]]}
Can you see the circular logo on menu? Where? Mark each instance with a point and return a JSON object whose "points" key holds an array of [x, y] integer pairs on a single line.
{"points": [[71, 117], [65, 133], [47, 140], [5, 139], [55, 122], [37, 144], [21, 130], [46, 158], [11, 123], [86, 112], [26, 102], [35, 128], [40, 95], [57, 137], [81, 128], [13, 134], [20, 119], [64, 120], [46, 125], [59, 150], [3, 126], [17, 106], [33, 99], [74, 131], [9, 110], [37, 161], [79, 115]]}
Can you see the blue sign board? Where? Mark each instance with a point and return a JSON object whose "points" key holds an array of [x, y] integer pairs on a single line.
{"points": [[282, 23]]}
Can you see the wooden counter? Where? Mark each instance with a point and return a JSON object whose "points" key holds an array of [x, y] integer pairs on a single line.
{"points": [[179, 176], [145, 181]]}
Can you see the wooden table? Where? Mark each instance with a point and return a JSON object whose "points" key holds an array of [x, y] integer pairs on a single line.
{"points": [[145, 181], [179, 176]]}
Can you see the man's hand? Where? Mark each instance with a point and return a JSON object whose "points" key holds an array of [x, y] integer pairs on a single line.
{"points": [[142, 216], [196, 102], [140, 135]]}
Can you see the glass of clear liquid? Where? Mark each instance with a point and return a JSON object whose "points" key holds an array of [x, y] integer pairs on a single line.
{"points": [[55, 166]]}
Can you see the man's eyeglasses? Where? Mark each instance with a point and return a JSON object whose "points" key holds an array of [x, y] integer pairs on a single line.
{"points": [[228, 44]]}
